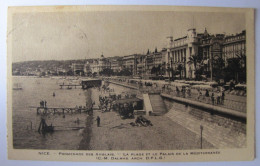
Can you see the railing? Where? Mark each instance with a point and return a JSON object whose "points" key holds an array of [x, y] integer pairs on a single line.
{"points": [[216, 100]]}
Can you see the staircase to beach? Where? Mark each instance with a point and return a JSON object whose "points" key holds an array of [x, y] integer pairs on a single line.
{"points": [[157, 103], [147, 104]]}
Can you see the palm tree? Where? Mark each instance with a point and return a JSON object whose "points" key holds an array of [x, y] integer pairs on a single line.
{"points": [[242, 59], [179, 68], [193, 59]]}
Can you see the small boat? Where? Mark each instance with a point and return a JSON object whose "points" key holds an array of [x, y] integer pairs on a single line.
{"points": [[44, 128], [48, 129], [17, 87]]}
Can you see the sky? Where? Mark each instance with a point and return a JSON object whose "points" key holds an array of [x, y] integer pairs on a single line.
{"points": [[83, 35]]}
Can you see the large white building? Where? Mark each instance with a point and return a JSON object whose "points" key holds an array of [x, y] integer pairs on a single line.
{"points": [[180, 53], [99, 64]]}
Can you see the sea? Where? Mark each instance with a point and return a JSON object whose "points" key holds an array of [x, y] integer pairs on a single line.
{"points": [[25, 121]]}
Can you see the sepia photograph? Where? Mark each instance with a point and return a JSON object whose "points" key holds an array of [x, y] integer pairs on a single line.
{"points": [[132, 83]]}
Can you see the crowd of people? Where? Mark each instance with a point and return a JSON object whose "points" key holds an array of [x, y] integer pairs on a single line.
{"points": [[213, 97], [105, 103], [125, 108], [217, 97], [141, 121]]}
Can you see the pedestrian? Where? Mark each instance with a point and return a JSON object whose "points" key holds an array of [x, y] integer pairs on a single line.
{"points": [[207, 93], [178, 91], [222, 97], [212, 98], [183, 91], [219, 97], [45, 104], [199, 94], [98, 121]]}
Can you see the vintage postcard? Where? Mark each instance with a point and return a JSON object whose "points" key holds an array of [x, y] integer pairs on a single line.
{"points": [[131, 83]]}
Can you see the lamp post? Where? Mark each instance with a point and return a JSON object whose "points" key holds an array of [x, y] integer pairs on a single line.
{"points": [[172, 68], [185, 67], [168, 68], [201, 129]]}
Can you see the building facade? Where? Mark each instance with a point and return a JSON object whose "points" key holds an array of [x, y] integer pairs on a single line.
{"points": [[140, 65], [155, 63], [115, 64], [78, 68], [211, 52], [129, 63], [186, 55], [180, 54], [183, 57], [98, 65], [234, 46]]}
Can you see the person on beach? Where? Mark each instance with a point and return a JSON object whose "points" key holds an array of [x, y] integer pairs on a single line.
{"points": [[41, 103], [98, 121], [45, 104]]}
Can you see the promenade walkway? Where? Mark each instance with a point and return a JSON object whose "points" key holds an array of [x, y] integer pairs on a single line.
{"points": [[237, 103]]}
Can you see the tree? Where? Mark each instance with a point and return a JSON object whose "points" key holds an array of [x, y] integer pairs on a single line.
{"points": [[94, 74], [196, 61], [163, 69], [218, 71], [160, 70], [107, 72], [43, 74], [89, 74], [180, 68], [157, 70], [154, 70], [148, 52], [235, 71], [125, 72], [70, 73]]}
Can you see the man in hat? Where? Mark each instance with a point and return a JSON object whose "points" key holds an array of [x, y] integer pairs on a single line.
{"points": [[98, 121]]}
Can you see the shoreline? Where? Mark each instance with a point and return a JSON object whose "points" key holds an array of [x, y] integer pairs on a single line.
{"points": [[87, 135], [87, 132]]}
